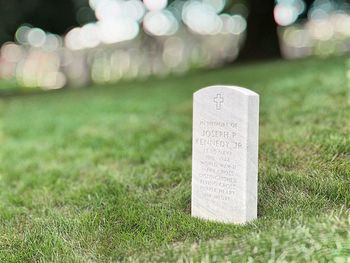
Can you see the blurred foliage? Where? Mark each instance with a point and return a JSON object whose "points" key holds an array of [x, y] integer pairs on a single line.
{"points": [[50, 15], [75, 43]]}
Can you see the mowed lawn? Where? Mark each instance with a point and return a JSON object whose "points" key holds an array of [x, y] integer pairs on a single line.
{"points": [[103, 174]]}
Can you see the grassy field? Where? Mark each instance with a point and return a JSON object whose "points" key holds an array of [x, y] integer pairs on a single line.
{"points": [[104, 173]]}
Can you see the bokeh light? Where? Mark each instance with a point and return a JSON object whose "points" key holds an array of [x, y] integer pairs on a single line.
{"points": [[160, 23], [201, 17], [136, 39], [218, 5], [36, 37], [286, 12], [88, 35], [154, 5], [117, 30], [21, 34], [11, 52]]}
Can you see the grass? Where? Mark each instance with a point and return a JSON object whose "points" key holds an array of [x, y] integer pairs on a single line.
{"points": [[103, 174]]}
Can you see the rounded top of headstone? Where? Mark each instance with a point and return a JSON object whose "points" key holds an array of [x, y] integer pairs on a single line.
{"points": [[241, 90]]}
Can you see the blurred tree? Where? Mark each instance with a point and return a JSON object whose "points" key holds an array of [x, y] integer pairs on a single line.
{"points": [[50, 15], [262, 39]]}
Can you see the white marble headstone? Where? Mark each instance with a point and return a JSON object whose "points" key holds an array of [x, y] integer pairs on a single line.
{"points": [[225, 154]]}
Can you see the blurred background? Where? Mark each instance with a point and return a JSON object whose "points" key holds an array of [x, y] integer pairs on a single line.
{"points": [[47, 44]]}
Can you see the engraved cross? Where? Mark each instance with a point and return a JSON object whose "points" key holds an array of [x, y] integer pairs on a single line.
{"points": [[218, 100]]}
